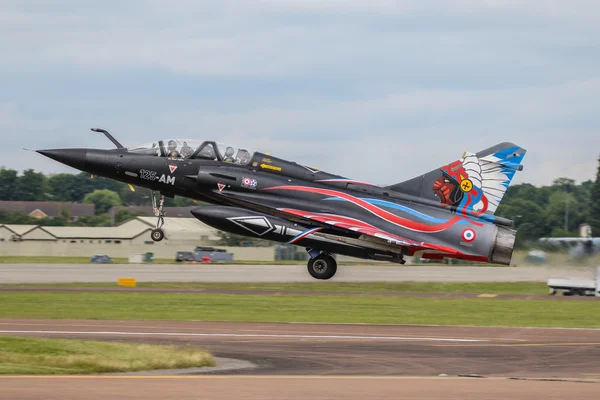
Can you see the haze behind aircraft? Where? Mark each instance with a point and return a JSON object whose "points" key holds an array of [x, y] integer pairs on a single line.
{"points": [[582, 246], [447, 212]]}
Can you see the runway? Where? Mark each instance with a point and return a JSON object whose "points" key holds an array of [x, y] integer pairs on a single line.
{"points": [[289, 388], [365, 350], [66, 273], [318, 361], [326, 361]]}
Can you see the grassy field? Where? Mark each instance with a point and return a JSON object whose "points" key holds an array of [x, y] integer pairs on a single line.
{"points": [[524, 288], [289, 308], [60, 356]]}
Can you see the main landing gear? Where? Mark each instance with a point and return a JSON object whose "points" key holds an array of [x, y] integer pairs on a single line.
{"points": [[323, 266], [157, 234]]}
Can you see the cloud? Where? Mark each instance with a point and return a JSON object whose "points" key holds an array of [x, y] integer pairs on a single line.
{"points": [[249, 38], [400, 135], [380, 90], [12, 119], [19, 130]]}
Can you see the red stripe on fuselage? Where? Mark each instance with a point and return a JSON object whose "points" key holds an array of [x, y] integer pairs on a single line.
{"points": [[344, 181], [367, 229], [322, 217], [383, 214]]}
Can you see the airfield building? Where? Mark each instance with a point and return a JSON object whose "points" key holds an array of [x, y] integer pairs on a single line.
{"points": [[131, 237]]}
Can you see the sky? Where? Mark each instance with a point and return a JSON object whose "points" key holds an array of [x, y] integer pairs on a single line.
{"points": [[373, 90]]}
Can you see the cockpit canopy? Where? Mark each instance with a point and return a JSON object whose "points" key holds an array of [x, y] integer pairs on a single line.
{"points": [[194, 149]]}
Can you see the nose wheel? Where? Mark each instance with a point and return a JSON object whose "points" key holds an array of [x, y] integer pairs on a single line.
{"points": [[323, 266], [157, 234]]}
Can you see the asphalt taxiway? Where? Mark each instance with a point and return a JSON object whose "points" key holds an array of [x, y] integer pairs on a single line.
{"points": [[65, 273], [325, 349], [318, 361], [290, 387], [325, 361]]}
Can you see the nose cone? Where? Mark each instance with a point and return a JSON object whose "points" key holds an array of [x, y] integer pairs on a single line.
{"points": [[72, 157]]}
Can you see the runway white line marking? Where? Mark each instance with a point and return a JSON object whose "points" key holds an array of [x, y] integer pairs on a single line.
{"points": [[439, 326], [252, 335]]}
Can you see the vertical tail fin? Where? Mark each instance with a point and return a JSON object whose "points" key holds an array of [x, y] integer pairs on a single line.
{"points": [[475, 183]]}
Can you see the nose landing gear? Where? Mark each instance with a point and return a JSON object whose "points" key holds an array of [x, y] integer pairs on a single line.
{"points": [[157, 234]]}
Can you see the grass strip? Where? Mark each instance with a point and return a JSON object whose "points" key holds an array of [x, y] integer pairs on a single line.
{"points": [[61, 356], [523, 288], [289, 308]]}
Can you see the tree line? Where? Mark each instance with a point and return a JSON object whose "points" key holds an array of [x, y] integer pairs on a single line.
{"points": [[554, 210]]}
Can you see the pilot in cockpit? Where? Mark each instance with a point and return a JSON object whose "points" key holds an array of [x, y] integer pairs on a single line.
{"points": [[172, 149], [186, 150], [243, 157], [207, 152], [229, 155]]}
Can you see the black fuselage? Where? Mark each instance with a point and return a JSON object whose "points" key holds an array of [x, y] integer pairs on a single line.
{"points": [[292, 200]]}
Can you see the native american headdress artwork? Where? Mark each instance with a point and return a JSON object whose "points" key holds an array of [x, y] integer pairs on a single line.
{"points": [[477, 184]]}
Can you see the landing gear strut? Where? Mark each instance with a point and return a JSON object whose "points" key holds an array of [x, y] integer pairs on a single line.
{"points": [[322, 266], [157, 234]]}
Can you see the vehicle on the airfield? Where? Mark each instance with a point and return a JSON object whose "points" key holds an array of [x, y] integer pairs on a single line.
{"points": [[210, 254], [101, 258], [182, 256], [447, 212], [204, 254], [576, 286]]}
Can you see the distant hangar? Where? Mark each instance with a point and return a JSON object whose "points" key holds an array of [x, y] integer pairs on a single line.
{"points": [[183, 231]]}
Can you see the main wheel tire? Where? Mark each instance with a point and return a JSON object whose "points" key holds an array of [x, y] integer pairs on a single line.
{"points": [[322, 267], [157, 235]]}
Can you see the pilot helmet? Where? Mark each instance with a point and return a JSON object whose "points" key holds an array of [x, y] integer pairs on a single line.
{"points": [[186, 150], [243, 156]]}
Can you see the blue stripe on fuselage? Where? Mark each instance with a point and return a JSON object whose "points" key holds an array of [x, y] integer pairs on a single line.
{"points": [[305, 233], [408, 210]]}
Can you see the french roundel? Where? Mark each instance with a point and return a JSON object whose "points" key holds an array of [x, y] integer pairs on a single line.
{"points": [[469, 235]]}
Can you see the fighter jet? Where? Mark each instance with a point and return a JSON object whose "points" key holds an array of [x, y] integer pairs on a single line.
{"points": [[582, 246], [447, 212]]}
